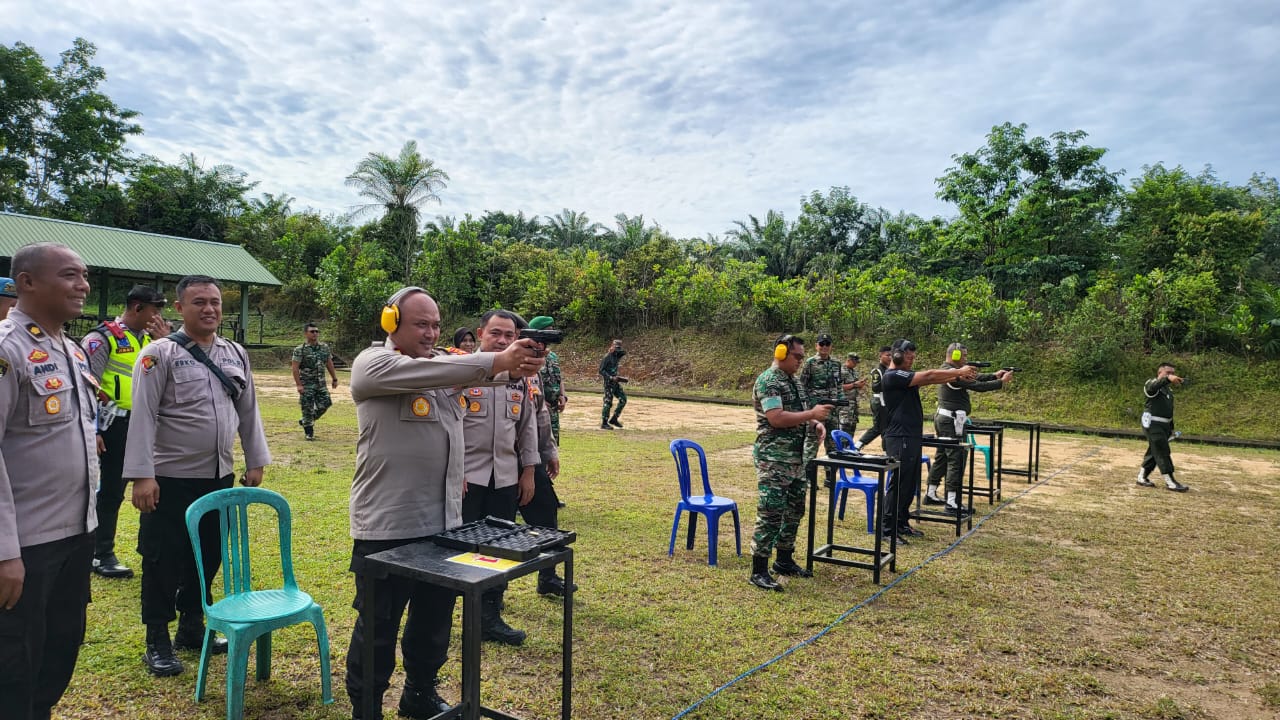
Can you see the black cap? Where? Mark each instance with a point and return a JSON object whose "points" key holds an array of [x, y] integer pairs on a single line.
{"points": [[824, 339], [147, 295]]}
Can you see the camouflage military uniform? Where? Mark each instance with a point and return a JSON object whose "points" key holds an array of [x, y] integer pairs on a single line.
{"points": [[821, 381], [553, 390], [315, 399], [778, 454], [849, 415]]}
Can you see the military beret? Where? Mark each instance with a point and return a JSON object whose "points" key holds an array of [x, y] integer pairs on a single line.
{"points": [[8, 288], [542, 322], [854, 356]]}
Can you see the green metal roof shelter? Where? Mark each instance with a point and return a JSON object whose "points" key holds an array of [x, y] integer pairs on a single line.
{"points": [[139, 256]]}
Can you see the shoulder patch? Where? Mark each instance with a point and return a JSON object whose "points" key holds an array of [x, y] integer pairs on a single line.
{"points": [[35, 330], [4, 367]]}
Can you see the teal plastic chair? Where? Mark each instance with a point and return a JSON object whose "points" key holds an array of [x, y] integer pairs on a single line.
{"points": [[243, 614], [986, 454]]}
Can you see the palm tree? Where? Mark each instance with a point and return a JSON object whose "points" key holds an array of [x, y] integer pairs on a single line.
{"points": [[571, 229], [400, 185]]}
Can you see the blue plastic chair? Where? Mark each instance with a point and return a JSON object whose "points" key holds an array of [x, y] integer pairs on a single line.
{"points": [[844, 441], [243, 614], [709, 504]]}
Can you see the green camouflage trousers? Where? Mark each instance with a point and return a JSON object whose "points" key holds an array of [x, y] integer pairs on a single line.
{"points": [[555, 424], [849, 420], [314, 400], [612, 390], [780, 507], [950, 461], [811, 439]]}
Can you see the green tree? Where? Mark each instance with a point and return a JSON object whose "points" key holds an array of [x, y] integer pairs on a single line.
{"points": [[400, 186], [570, 229], [1031, 209], [186, 199], [784, 252], [59, 134]]}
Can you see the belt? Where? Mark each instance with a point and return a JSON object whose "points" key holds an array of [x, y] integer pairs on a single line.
{"points": [[121, 412], [878, 396], [1160, 419], [946, 413]]}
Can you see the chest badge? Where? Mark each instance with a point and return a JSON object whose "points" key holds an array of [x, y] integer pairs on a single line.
{"points": [[52, 405], [38, 356], [474, 406], [53, 383], [421, 407]]}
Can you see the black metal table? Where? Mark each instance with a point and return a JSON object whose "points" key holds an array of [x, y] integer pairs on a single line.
{"points": [[1032, 473], [429, 563], [826, 553], [995, 438], [923, 513]]}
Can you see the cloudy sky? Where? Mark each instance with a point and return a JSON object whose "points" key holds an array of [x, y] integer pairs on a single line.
{"points": [[694, 113]]}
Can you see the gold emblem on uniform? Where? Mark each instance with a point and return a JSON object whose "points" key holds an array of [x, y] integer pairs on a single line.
{"points": [[475, 392], [515, 409], [38, 356], [462, 402], [421, 407], [515, 397], [474, 407], [52, 405], [35, 330]]}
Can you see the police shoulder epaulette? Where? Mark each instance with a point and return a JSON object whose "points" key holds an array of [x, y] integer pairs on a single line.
{"points": [[114, 328]]}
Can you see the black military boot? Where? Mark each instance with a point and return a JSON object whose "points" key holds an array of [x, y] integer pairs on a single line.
{"points": [[420, 703], [549, 583], [785, 565], [310, 430], [109, 567], [1174, 485], [614, 421], [190, 635], [760, 576], [159, 656], [492, 627], [605, 426]]}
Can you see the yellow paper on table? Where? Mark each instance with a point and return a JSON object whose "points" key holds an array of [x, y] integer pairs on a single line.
{"points": [[484, 561]]}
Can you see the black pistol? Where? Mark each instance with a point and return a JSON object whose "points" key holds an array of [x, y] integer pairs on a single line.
{"points": [[548, 336], [1012, 369]]}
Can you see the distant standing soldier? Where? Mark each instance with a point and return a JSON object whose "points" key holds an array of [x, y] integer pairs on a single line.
{"points": [[1157, 425], [820, 378], [310, 360], [553, 391], [877, 401], [112, 348], [612, 386], [783, 417], [850, 383]]}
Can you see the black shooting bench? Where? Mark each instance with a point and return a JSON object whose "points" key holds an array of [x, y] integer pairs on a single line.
{"points": [[428, 562], [879, 556]]}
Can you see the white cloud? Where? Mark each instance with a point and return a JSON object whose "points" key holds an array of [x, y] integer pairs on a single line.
{"points": [[692, 114]]}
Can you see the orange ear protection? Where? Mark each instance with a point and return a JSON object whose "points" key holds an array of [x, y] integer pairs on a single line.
{"points": [[390, 320], [782, 347]]}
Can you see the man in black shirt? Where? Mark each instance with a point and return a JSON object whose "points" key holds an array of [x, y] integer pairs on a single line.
{"points": [[1157, 425], [903, 427]]}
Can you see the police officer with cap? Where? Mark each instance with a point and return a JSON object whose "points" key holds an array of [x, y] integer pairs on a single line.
{"points": [[112, 347], [8, 296]]}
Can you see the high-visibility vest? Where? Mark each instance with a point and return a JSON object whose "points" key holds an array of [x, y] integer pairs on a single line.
{"points": [[117, 377]]}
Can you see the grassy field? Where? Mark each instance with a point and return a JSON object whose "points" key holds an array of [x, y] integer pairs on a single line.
{"points": [[1082, 597]]}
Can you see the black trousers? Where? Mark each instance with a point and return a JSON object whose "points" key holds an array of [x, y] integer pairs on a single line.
{"points": [[544, 509], [425, 643], [40, 637], [111, 493], [873, 432], [1158, 454], [498, 502], [169, 578], [906, 478]]}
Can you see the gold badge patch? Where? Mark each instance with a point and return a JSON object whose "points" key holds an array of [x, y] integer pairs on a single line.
{"points": [[474, 407], [52, 405], [515, 409], [421, 407], [38, 356]]}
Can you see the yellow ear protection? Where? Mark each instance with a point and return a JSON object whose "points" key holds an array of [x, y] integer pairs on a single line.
{"points": [[390, 319], [782, 347], [956, 355]]}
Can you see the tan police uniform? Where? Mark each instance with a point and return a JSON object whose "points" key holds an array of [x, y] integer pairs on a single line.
{"points": [[48, 475], [408, 485], [181, 432], [501, 433]]}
